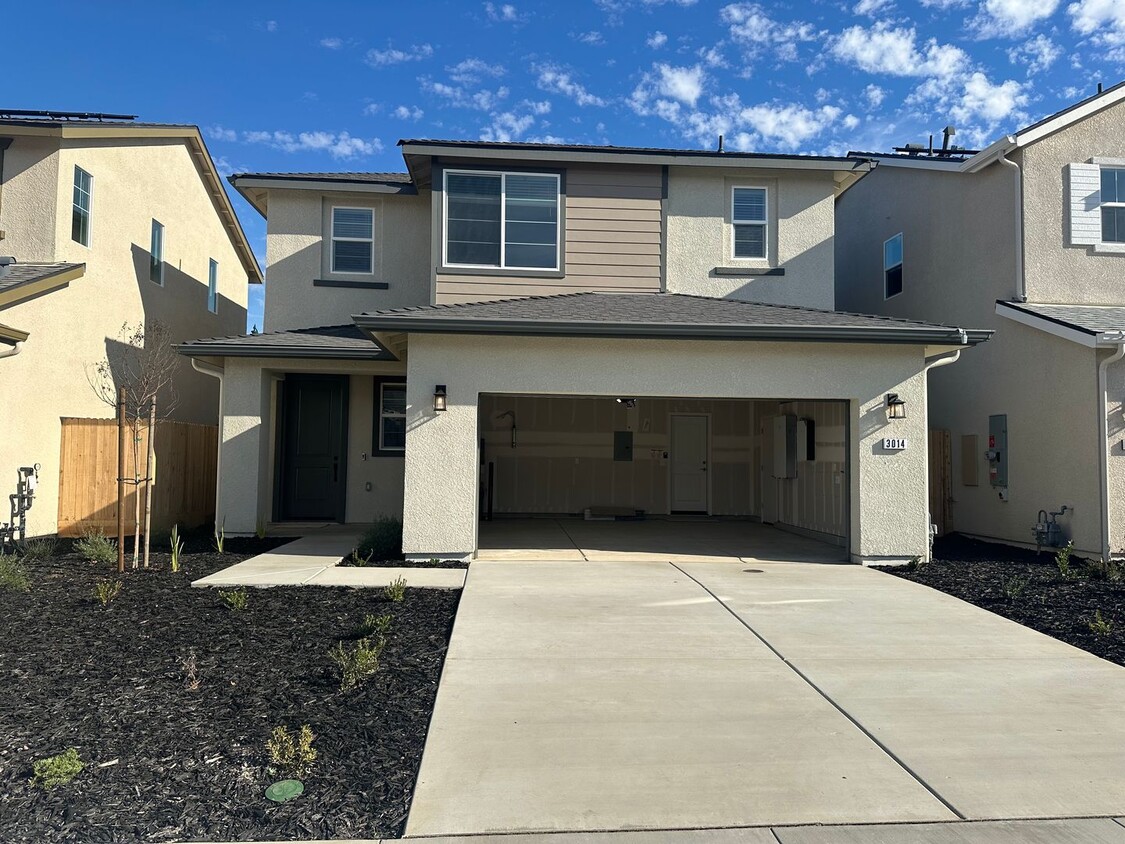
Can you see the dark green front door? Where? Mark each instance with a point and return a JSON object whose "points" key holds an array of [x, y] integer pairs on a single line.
{"points": [[313, 445]]}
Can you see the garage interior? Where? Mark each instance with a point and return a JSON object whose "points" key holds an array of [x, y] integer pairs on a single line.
{"points": [[623, 477]]}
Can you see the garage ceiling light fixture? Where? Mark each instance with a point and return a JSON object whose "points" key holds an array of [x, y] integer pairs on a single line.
{"points": [[439, 398], [896, 407]]}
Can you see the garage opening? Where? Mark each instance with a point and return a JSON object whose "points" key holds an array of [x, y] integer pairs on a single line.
{"points": [[626, 477]]}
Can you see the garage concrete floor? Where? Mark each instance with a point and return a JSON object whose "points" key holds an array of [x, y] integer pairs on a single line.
{"points": [[624, 696], [683, 539]]}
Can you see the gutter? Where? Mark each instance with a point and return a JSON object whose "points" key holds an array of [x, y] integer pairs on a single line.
{"points": [[1118, 339], [193, 350]]}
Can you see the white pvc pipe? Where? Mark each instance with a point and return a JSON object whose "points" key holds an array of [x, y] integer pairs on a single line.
{"points": [[1103, 429], [941, 360], [1021, 275], [12, 352]]}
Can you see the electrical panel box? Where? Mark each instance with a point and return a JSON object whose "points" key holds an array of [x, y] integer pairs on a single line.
{"points": [[623, 445], [997, 453], [785, 446]]}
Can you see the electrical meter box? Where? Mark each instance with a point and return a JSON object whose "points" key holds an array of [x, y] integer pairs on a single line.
{"points": [[785, 446], [997, 452]]}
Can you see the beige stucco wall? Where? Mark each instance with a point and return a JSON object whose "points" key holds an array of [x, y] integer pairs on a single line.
{"points": [[298, 251], [888, 490], [73, 328], [799, 237], [1056, 271], [27, 198], [249, 434]]}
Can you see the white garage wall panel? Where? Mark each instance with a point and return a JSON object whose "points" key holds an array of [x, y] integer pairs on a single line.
{"points": [[816, 500]]}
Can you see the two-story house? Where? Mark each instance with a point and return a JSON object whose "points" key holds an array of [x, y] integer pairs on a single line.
{"points": [[514, 329], [1026, 237], [103, 222]]}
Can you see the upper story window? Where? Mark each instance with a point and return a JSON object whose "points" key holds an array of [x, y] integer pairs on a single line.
{"points": [[748, 214], [80, 212], [392, 417], [156, 254], [213, 286], [353, 240], [1113, 204], [502, 220], [892, 266]]}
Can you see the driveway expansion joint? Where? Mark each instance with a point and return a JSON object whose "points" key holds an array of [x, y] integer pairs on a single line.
{"points": [[808, 681]]}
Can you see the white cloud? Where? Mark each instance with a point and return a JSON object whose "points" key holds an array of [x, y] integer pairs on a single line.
{"points": [[512, 125], [894, 51], [850, 121], [870, 7], [750, 26], [554, 80], [712, 56], [684, 84], [391, 55], [1009, 18], [1039, 53], [946, 4], [657, 40], [332, 43], [269, 26], [503, 13], [981, 100], [788, 124], [408, 113], [372, 109], [456, 95], [219, 133], [875, 95], [593, 38], [338, 145], [468, 71], [1104, 22]]}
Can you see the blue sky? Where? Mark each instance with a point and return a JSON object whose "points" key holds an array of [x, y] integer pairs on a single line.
{"points": [[333, 86]]}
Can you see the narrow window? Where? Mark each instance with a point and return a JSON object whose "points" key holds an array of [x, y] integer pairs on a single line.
{"points": [[748, 214], [1113, 204], [392, 417], [156, 254], [80, 214], [213, 286], [353, 240], [892, 266]]}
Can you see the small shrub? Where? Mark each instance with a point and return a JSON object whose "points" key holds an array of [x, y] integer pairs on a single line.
{"points": [[177, 547], [260, 530], [1014, 586], [96, 547], [1062, 560], [193, 679], [371, 625], [106, 589], [42, 548], [356, 560], [13, 576], [383, 541], [220, 537], [291, 756], [56, 770], [1111, 570], [395, 590], [1100, 626], [358, 661], [236, 599]]}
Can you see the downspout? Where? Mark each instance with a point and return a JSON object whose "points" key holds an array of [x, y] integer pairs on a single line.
{"points": [[1021, 277], [215, 372], [940, 360], [13, 351], [1117, 338]]}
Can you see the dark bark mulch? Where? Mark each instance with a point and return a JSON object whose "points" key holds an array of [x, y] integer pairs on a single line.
{"points": [[413, 564], [191, 764], [976, 572]]}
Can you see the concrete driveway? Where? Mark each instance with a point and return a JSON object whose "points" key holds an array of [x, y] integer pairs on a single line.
{"points": [[613, 696]]}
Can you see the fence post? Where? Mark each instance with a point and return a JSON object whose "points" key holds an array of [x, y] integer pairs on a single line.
{"points": [[121, 479]]}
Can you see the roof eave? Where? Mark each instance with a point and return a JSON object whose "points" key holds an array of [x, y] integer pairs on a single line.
{"points": [[15, 294], [232, 350]]}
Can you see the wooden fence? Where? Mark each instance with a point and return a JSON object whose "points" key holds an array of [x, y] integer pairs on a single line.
{"points": [[941, 482], [184, 492]]}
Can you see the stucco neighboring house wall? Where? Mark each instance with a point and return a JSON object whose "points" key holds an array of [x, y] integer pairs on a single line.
{"points": [[800, 211], [298, 252], [887, 490], [27, 198], [72, 329]]}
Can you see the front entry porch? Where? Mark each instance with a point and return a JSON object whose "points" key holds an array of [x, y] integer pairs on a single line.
{"points": [[658, 540]]}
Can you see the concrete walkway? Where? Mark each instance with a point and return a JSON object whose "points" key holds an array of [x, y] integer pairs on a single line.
{"points": [[314, 560], [632, 696]]}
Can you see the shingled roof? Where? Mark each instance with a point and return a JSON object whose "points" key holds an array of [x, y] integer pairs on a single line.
{"points": [[339, 342], [666, 315], [20, 281]]}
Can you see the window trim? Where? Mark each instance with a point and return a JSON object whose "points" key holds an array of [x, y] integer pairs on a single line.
{"points": [[377, 446], [503, 266], [901, 263], [89, 211], [212, 285], [764, 223], [1120, 166], [159, 262], [332, 240]]}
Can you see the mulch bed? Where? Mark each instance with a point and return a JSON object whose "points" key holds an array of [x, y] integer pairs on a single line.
{"points": [[191, 764], [413, 564], [976, 572]]}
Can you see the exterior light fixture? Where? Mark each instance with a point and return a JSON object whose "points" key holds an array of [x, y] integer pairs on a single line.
{"points": [[439, 398], [627, 402], [896, 407]]}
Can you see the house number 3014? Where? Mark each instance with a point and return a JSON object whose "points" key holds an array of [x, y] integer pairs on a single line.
{"points": [[894, 443]]}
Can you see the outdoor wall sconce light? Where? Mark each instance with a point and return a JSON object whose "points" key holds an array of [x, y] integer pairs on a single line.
{"points": [[896, 407], [627, 402], [439, 398]]}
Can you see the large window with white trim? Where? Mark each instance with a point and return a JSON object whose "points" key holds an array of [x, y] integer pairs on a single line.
{"points": [[353, 240], [501, 220], [748, 215], [1113, 204], [80, 213]]}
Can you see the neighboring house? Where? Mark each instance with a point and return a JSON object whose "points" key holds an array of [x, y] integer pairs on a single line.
{"points": [[546, 329], [1026, 237], [109, 222]]}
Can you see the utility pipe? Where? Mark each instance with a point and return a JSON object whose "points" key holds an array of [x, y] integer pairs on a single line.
{"points": [[940, 360], [1021, 275], [215, 372], [1118, 339]]}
